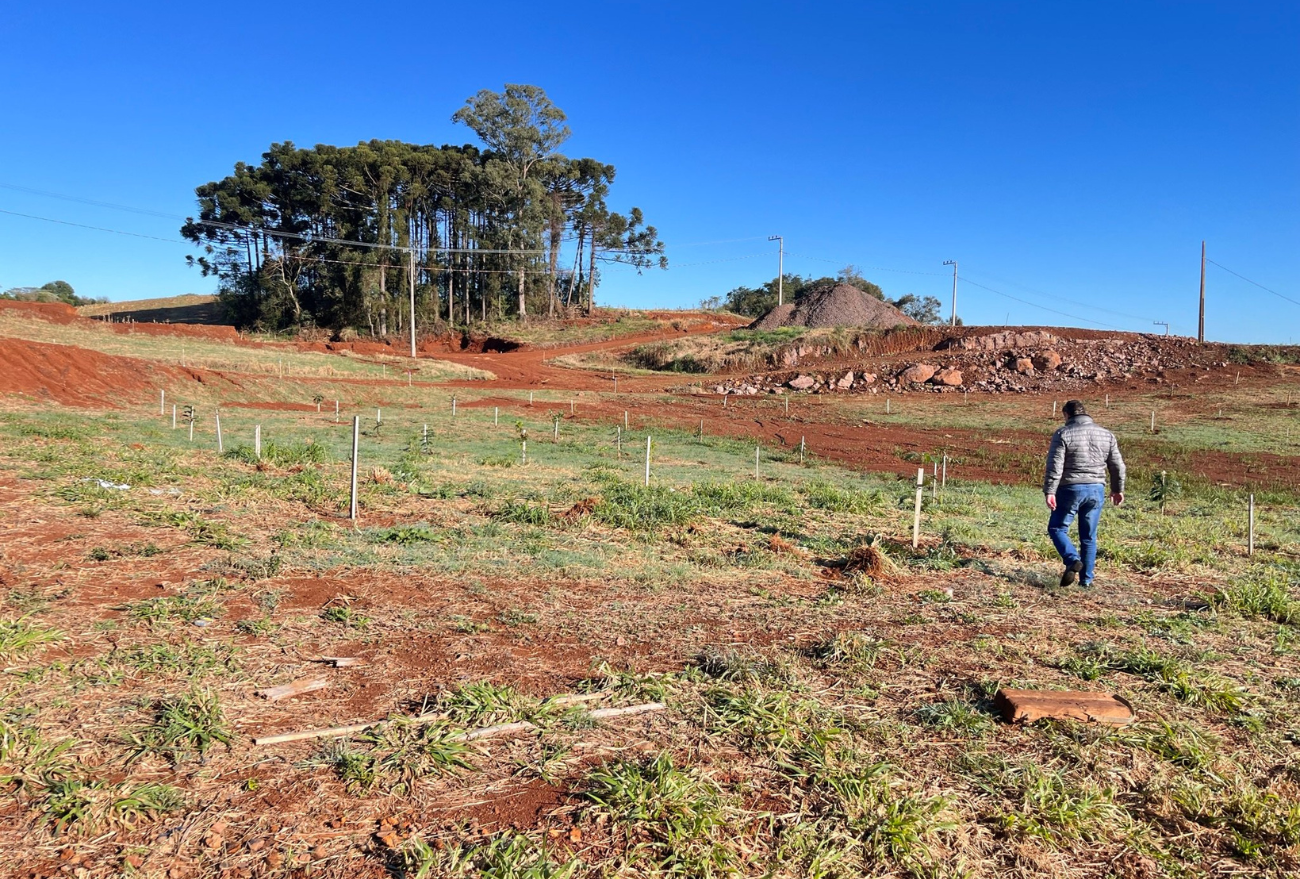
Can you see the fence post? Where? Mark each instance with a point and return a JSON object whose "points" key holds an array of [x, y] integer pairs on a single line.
{"points": [[1053, 409], [618, 439], [756, 448], [886, 405], [496, 414], [336, 411], [220, 448], [162, 402], [356, 441], [625, 419], [379, 416], [173, 416], [916, 516], [257, 441], [453, 407], [801, 448], [1250, 545], [1153, 421], [647, 461], [530, 398], [943, 483]]}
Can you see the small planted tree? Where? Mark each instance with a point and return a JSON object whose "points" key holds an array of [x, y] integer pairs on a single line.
{"points": [[1164, 488]]}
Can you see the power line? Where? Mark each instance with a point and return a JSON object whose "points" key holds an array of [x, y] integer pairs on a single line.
{"points": [[1043, 307], [96, 228], [1071, 301], [712, 261], [1249, 281], [90, 201], [868, 268]]}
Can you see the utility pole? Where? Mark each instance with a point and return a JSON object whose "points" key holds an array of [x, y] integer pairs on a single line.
{"points": [[780, 267], [412, 297], [953, 263], [1200, 326]]}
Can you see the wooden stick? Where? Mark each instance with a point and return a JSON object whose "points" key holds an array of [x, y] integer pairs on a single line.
{"points": [[297, 688], [485, 732], [490, 731]]}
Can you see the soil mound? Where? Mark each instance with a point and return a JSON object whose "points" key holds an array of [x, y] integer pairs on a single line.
{"points": [[55, 312], [838, 305], [74, 376]]}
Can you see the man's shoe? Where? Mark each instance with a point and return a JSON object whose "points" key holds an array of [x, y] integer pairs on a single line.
{"points": [[1071, 572], [1085, 584]]}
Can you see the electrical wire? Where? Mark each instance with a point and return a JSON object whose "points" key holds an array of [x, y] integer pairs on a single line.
{"points": [[1055, 298], [1249, 281], [96, 228], [1043, 307], [869, 268]]}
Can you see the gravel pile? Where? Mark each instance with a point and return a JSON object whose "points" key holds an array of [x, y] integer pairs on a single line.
{"points": [[839, 305]]}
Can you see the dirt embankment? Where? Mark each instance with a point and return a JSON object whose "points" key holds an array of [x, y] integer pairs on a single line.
{"points": [[76, 376]]}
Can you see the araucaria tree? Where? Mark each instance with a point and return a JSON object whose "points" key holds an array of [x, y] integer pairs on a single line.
{"points": [[337, 236]]}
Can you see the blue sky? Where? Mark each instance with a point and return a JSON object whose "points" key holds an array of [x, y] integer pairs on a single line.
{"points": [[1070, 155]]}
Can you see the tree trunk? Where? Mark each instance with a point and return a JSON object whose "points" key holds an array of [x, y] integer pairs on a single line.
{"points": [[591, 275], [577, 267]]}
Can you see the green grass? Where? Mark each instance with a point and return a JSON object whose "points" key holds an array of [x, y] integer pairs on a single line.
{"points": [[183, 727]]}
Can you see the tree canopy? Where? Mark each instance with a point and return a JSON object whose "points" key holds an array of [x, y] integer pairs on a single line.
{"points": [[333, 236], [54, 291], [758, 301]]}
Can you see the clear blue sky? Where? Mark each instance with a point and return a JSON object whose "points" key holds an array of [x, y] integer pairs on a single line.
{"points": [[1059, 151]]}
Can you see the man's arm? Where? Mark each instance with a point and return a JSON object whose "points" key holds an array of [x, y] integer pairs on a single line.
{"points": [[1055, 465], [1115, 464]]}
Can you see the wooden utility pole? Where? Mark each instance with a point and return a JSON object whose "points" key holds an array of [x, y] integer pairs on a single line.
{"points": [[412, 285], [1200, 326]]}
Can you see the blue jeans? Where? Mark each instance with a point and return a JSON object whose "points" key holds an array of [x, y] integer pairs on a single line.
{"points": [[1084, 501]]}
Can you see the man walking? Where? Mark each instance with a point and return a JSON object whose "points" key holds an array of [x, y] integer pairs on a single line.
{"points": [[1078, 460]]}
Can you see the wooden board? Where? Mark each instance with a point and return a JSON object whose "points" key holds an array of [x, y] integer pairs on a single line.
{"points": [[1026, 706]]}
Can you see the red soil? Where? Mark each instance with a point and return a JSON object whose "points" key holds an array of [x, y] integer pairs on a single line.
{"points": [[76, 376]]}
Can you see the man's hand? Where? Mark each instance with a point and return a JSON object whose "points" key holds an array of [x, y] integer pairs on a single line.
{"points": [[1051, 502], [1117, 498]]}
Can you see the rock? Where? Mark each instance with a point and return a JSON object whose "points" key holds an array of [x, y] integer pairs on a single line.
{"points": [[846, 381], [802, 382], [867, 378], [950, 377], [1047, 360], [1024, 366], [921, 372]]}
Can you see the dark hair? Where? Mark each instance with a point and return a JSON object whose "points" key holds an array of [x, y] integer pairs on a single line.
{"points": [[1073, 408]]}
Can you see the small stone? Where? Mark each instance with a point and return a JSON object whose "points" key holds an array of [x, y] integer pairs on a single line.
{"points": [[575, 835], [802, 382]]}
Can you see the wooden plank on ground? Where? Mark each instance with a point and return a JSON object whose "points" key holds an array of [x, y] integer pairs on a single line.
{"points": [[1026, 706]]}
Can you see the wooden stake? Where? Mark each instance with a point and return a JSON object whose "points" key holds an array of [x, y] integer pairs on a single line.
{"points": [[787, 406], [647, 461], [496, 415], [625, 419], [530, 398], [916, 516], [1153, 421], [1053, 409], [1250, 544], [336, 411], [220, 447], [173, 416], [379, 416], [886, 405], [801, 448], [523, 451], [297, 688], [943, 483], [618, 439], [356, 441], [756, 448], [257, 441], [453, 407], [162, 402]]}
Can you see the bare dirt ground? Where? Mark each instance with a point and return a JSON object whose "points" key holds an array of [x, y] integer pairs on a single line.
{"points": [[288, 810]]}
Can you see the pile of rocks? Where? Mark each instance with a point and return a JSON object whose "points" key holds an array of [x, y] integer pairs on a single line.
{"points": [[1003, 362]]}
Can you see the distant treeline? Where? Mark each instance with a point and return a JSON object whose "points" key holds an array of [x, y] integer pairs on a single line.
{"points": [[479, 229], [758, 301], [54, 291]]}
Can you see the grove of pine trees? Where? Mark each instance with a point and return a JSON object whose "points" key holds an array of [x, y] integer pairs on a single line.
{"points": [[333, 236]]}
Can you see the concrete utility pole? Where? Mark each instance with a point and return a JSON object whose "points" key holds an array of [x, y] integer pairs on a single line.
{"points": [[412, 298], [953, 263], [780, 267], [1200, 326]]}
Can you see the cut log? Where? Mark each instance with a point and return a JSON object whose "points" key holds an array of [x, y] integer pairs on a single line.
{"points": [[297, 688], [1026, 706], [603, 713]]}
